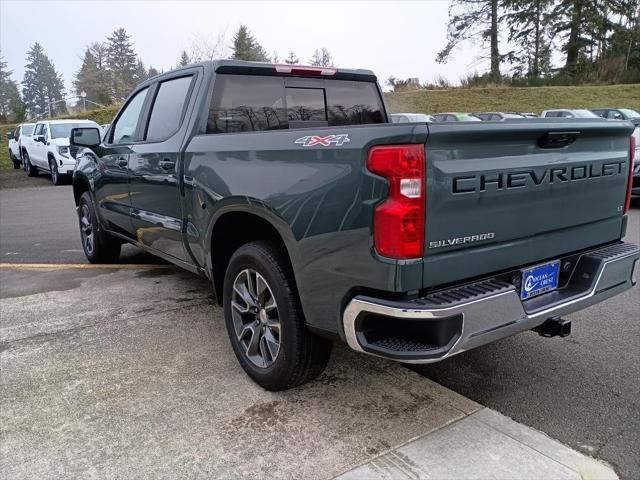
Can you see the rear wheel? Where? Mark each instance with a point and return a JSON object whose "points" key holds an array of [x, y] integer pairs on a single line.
{"points": [[16, 161], [265, 322], [30, 169], [98, 246]]}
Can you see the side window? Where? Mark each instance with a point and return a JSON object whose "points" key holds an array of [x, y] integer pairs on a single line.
{"points": [[38, 130], [16, 134], [353, 103], [244, 103], [166, 114], [45, 131], [124, 129]]}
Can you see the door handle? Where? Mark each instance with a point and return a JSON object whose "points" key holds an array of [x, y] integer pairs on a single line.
{"points": [[167, 164], [122, 162]]}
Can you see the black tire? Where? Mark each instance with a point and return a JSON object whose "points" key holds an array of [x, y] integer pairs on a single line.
{"points": [[301, 356], [98, 246], [30, 169], [56, 178]]}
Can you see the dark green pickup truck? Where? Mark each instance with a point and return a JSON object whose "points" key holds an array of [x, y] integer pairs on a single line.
{"points": [[316, 219]]}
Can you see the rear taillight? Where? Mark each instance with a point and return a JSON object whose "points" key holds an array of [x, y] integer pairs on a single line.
{"points": [[632, 153], [399, 220]]}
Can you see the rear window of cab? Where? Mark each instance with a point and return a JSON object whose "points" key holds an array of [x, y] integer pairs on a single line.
{"points": [[246, 103]]}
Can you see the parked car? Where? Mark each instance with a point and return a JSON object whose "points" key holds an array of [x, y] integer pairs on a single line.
{"points": [[15, 142], [411, 118], [568, 113], [316, 219], [497, 116], [47, 150], [456, 117], [529, 114], [619, 114]]}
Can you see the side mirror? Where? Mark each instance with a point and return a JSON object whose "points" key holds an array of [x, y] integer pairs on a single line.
{"points": [[10, 136], [88, 137], [39, 138]]}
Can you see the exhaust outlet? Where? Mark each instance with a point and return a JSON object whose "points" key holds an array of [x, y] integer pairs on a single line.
{"points": [[554, 327]]}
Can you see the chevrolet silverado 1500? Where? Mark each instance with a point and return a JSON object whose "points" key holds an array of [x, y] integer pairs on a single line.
{"points": [[317, 219]]}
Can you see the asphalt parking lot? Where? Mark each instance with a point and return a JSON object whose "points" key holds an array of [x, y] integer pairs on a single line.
{"points": [[142, 374]]}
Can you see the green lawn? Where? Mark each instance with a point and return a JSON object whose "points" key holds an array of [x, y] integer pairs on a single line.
{"points": [[501, 99]]}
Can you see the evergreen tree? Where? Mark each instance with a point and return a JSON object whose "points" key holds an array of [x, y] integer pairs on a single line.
{"points": [[573, 21], [152, 72], [292, 59], [122, 63], [321, 58], [86, 79], [246, 47], [42, 85], [100, 52], [141, 73], [470, 20], [11, 106], [529, 23], [184, 59]]}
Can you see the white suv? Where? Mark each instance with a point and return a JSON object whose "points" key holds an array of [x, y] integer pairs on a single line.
{"points": [[16, 139], [47, 149]]}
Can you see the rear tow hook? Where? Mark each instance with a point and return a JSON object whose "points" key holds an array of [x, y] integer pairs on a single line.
{"points": [[554, 327]]}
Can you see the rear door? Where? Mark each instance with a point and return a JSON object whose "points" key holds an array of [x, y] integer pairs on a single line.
{"points": [[500, 195], [154, 166]]}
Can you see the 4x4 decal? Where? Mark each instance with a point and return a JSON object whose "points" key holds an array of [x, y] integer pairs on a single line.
{"points": [[313, 140]]}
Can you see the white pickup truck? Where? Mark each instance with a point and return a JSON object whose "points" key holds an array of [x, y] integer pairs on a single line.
{"points": [[16, 139], [47, 150]]}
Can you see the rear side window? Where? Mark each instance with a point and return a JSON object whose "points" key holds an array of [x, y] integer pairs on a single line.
{"points": [[353, 103], [168, 106], [245, 103]]}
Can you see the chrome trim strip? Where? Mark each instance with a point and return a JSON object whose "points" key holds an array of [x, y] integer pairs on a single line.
{"points": [[512, 317]]}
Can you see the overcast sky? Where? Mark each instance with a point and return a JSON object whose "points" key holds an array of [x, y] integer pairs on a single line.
{"points": [[399, 38]]}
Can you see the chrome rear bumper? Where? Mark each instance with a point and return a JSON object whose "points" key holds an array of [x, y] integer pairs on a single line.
{"points": [[434, 327]]}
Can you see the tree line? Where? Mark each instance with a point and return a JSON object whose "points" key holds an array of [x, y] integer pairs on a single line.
{"points": [[111, 69], [599, 40]]}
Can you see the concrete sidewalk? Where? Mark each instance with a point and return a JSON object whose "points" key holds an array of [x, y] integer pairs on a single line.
{"points": [[129, 374], [483, 445]]}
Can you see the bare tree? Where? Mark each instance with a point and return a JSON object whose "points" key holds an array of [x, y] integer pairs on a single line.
{"points": [[207, 47], [321, 58]]}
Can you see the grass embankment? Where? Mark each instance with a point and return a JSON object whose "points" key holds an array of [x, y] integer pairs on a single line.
{"points": [[509, 99], [100, 116]]}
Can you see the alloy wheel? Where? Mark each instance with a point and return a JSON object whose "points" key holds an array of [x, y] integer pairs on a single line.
{"points": [[255, 318], [86, 228]]}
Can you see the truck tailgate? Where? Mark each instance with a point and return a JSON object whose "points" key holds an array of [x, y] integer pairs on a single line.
{"points": [[501, 195]]}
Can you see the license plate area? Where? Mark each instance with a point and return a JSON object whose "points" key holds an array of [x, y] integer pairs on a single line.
{"points": [[539, 279]]}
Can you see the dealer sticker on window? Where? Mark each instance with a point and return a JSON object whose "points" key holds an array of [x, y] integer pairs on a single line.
{"points": [[540, 279]]}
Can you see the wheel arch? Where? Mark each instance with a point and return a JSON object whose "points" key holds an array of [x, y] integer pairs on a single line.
{"points": [[80, 185], [236, 227]]}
